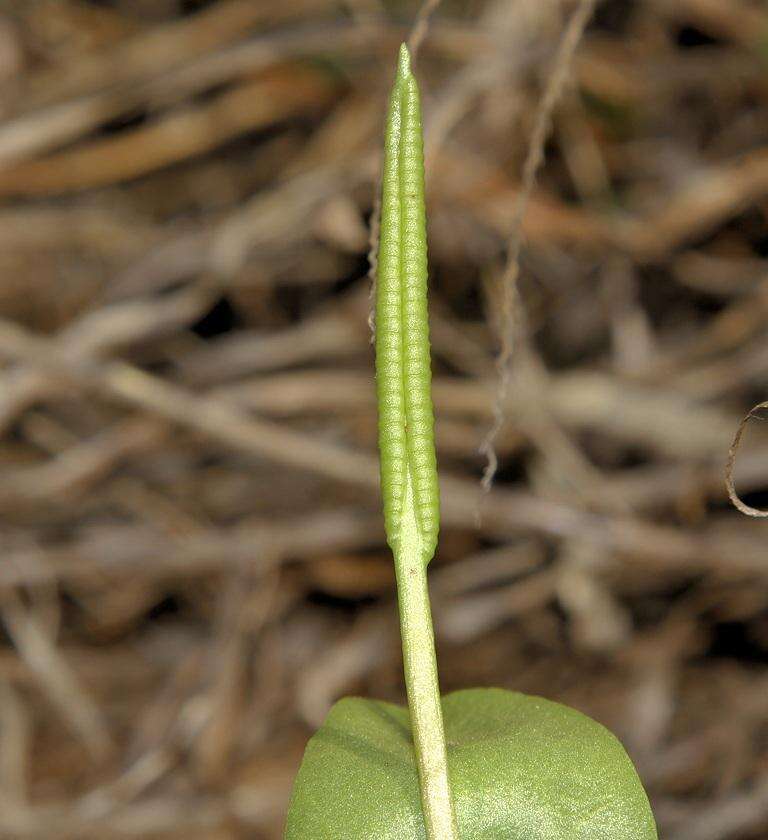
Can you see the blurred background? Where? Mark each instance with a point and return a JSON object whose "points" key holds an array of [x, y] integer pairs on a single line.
{"points": [[193, 566]]}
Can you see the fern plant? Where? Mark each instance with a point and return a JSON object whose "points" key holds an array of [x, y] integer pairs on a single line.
{"points": [[479, 764]]}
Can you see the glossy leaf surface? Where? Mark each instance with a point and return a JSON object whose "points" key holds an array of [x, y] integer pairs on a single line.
{"points": [[521, 768]]}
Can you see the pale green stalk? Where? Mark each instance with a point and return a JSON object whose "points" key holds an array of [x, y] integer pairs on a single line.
{"points": [[420, 663]]}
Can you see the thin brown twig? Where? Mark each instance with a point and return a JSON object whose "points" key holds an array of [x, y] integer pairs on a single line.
{"points": [[57, 679], [730, 463], [179, 135], [512, 316], [421, 26]]}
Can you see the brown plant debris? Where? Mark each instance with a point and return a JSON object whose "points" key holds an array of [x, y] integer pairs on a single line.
{"points": [[192, 560]]}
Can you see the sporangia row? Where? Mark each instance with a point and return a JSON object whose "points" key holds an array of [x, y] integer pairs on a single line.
{"points": [[403, 375]]}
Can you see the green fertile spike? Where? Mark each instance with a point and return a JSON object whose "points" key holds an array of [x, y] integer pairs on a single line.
{"points": [[406, 424]]}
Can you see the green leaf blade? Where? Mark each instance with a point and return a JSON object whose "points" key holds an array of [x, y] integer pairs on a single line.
{"points": [[522, 768]]}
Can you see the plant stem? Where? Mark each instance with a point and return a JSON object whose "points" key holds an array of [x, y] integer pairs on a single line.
{"points": [[406, 434], [421, 678]]}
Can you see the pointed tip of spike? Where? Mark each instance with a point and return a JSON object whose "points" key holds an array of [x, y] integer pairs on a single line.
{"points": [[404, 62]]}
